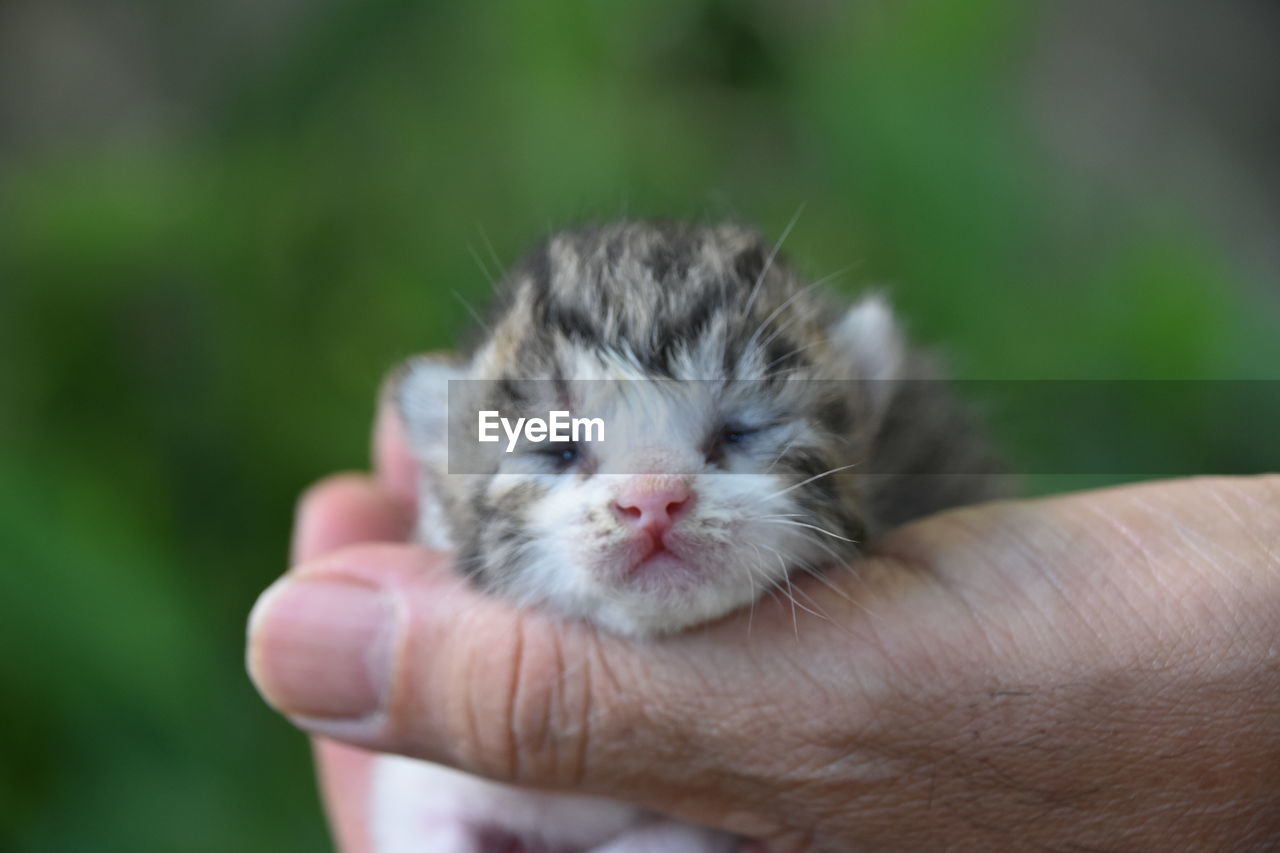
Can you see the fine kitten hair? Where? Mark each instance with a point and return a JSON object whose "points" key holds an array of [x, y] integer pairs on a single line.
{"points": [[756, 426]]}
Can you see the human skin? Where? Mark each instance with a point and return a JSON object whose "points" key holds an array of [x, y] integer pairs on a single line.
{"points": [[1098, 671]]}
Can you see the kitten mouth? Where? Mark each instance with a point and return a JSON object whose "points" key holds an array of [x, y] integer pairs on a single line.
{"points": [[659, 563], [662, 569]]}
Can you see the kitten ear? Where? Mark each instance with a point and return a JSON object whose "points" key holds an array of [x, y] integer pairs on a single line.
{"points": [[419, 388], [873, 342], [870, 335]]}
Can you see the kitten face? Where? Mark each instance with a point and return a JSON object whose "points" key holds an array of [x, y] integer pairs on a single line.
{"points": [[734, 398]]}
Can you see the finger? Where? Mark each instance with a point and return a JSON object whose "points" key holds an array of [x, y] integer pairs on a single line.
{"points": [[336, 512], [344, 773], [393, 465], [383, 647], [344, 510]]}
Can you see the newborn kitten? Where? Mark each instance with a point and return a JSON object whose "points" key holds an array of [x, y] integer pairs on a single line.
{"points": [[753, 428]]}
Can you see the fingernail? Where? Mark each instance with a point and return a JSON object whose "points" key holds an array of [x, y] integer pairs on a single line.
{"points": [[322, 648]]}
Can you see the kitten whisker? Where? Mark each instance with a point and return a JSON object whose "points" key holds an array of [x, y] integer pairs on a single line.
{"points": [[808, 481], [812, 527], [755, 290], [795, 622], [794, 352], [752, 347], [493, 255], [810, 570], [475, 315], [781, 453], [817, 608]]}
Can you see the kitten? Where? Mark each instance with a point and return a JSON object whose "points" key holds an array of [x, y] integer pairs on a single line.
{"points": [[753, 428]]}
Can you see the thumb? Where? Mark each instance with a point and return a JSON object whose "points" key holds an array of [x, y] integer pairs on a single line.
{"points": [[383, 647]]}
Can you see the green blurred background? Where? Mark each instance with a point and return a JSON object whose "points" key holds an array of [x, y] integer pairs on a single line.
{"points": [[220, 223]]}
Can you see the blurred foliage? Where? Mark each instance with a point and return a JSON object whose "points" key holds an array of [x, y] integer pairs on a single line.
{"points": [[192, 328]]}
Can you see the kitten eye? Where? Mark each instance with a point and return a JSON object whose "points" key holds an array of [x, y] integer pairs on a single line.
{"points": [[731, 436], [561, 456], [735, 434]]}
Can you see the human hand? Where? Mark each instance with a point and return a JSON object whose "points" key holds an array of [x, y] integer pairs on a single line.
{"points": [[1100, 670]]}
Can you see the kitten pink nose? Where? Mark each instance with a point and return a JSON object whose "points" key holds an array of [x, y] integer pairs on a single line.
{"points": [[653, 503]]}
